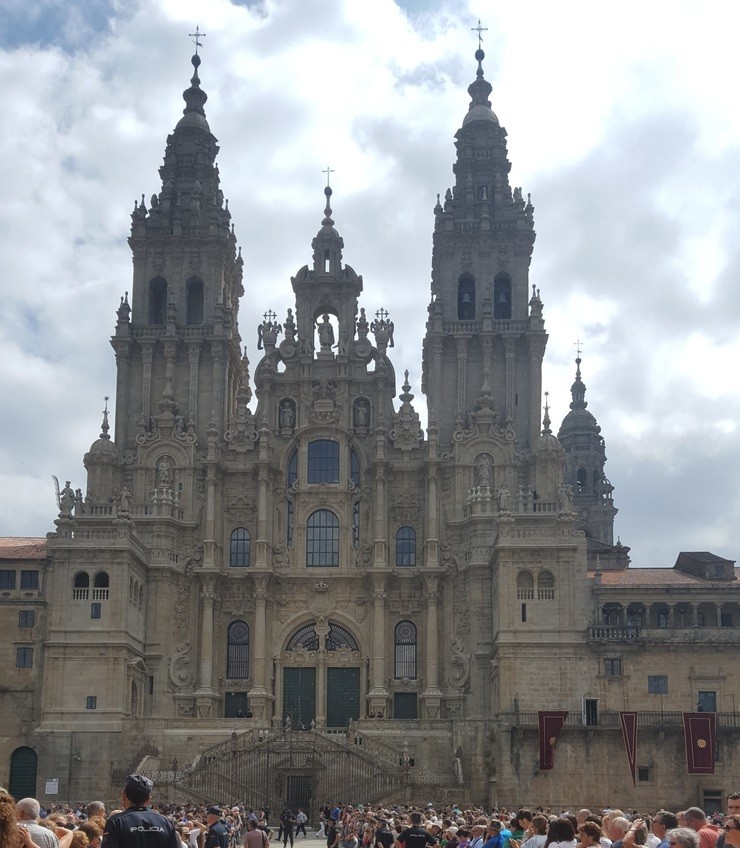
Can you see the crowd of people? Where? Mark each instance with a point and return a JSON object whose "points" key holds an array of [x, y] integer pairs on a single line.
{"points": [[138, 824]]}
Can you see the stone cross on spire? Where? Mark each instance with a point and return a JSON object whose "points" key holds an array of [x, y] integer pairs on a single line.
{"points": [[328, 171], [479, 29], [197, 35]]}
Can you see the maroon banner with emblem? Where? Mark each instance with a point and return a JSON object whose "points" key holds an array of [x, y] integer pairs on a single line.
{"points": [[699, 734], [628, 720], [550, 723]]}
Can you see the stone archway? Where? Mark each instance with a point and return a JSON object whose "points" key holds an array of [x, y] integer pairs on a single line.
{"points": [[23, 772]]}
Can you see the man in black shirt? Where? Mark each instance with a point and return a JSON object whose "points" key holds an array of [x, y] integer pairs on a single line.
{"points": [[216, 836], [383, 836], [287, 821], [138, 826], [415, 836]]}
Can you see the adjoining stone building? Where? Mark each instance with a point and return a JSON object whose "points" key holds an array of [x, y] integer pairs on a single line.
{"points": [[309, 595]]}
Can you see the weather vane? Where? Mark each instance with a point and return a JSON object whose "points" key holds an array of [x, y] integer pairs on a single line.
{"points": [[328, 171], [578, 348], [197, 35], [479, 29]]}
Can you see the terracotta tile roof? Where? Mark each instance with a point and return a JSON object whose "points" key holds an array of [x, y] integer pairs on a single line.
{"points": [[661, 578], [22, 547]]}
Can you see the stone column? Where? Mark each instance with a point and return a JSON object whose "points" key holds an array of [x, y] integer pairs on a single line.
{"points": [[205, 696], [259, 694], [432, 696], [378, 694], [147, 354], [536, 352], [194, 357], [321, 688], [718, 609], [123, 375], [694, 615], [510, 350]]}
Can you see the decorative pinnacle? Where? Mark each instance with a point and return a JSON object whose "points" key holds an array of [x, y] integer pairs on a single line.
{"points": [[327, 222], [106, 427], [328, 171], [546, 420], [381, 315]]}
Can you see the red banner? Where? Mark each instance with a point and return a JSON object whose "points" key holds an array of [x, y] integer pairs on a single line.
{"points": [[699, 735], [550, 723], [629, 734]]}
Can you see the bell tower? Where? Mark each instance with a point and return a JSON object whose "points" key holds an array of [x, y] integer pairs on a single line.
{"points": [[177, 344], [485, 336]]}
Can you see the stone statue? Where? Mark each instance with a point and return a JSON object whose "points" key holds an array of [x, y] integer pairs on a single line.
{"points": [[484, 470], [326, 333], [164, 472], [66, 499], [124, 500], [287, 416], [503, 497], [361, 416]]}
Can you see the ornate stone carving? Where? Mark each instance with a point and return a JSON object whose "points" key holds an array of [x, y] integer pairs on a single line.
{"points": [[180, 673]]}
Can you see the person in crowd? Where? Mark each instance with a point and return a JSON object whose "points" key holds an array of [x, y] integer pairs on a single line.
{"points": [[255, 837], [560, 834], [682, 837], [589, 835], [696, 819], [662, 822], [216, 836], [29, 811], [93, 830], [415, 836], [138, 826], [300, 823], [732, 830]]}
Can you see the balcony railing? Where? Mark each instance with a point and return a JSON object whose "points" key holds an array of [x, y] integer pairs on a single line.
{"points": [[610, 719]]}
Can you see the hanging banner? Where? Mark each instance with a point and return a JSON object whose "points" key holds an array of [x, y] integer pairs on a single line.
{"points": [[550, 723], [699, 735], [628, 720]]}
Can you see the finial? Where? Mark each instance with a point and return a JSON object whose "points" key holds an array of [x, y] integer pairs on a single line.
{"points": [[328, 171], [106, 427], [479, 29], [197, 35], [327, 222], [546, 420]]}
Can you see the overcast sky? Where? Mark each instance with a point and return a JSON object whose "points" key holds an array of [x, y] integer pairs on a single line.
{"points": [[623, 124]]}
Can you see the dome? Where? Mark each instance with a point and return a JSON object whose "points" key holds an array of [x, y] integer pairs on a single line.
{"points": [[480, 112]]}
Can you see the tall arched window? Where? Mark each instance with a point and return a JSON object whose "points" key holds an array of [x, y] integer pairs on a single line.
{"points": [[157, 300], [322, 539], [101, 581], [239, 551], [406, 546], [82, 580], [195, 302], [134, 698], [404, 637], [545, 586], [323, 461], [237, 657], [466, 298], [502, 297], [581, 480]]}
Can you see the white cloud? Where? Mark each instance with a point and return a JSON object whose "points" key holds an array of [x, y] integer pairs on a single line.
{"points": [[618, 125]]}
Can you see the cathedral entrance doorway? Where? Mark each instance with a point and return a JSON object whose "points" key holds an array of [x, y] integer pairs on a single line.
{"points": [[298, 793]]}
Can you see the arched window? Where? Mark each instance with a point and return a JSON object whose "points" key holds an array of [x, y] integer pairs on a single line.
{"points": [[195, 302], [239, 551], [292, 468], [322, 539], [323, 461], [305, 637], [339, 637], [406, 546], [525, 585], [404, 637], [237, 657], [101, 581], [157, 300], [466, 298], [545, 586], [581, 480], [82, 580], [502, 297], [134, 698]]}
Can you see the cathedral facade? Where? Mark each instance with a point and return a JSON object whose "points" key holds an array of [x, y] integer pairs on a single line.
{"points": [[252, 590]]}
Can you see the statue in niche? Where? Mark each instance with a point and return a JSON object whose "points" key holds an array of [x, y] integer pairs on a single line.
{"points": [[326, 333], [503, 495], [287, 415], [484, 470], [361, 413], [164, 472]]}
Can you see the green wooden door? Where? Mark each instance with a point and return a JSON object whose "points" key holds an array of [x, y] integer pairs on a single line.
{"points": [[299, 696], [342, 696], [23, 764]]}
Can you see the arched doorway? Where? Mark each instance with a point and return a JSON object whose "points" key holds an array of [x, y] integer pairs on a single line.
{"points": [[23, 768], [321, 677]]}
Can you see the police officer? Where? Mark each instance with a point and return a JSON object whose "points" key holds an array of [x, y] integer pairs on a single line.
{"points": [[138, 826], [216, 836]]}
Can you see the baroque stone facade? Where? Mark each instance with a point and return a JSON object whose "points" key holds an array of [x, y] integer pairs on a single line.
{"points": [[315, 561]]}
